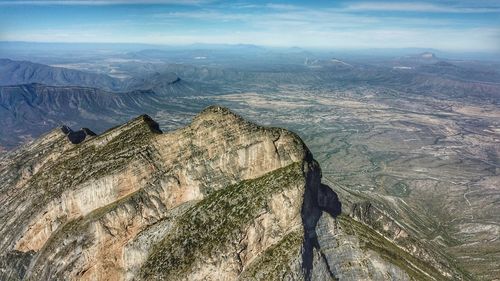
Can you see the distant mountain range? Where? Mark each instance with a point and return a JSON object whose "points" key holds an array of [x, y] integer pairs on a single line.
{"points": [[39, 97], [410, 144], [35, 98], [29, 110], [24, 72]]}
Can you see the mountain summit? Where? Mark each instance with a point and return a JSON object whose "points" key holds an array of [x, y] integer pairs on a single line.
{"points": [[221, 199]]}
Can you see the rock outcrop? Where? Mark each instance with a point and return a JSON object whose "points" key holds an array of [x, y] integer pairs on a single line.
{"points": [[76, 137], [221, 199]]}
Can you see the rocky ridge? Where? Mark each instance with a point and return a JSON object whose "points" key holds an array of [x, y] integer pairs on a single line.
{"points": [[30, 110], [221, 199]]}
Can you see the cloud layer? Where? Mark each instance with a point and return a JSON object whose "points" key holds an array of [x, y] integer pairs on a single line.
{"points": [[458, 25]]}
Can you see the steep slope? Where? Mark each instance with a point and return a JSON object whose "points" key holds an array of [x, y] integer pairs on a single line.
{"points": [[221, 199]]}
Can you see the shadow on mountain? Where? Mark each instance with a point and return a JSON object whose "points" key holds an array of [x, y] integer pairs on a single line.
{"points": [[76, 137], [316, 201]]}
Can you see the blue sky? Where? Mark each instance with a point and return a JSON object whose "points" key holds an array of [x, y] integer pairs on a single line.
{"points": [[462, 25]]}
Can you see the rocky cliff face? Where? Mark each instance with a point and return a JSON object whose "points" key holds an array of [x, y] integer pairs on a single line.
{"points": [[221, 199]]}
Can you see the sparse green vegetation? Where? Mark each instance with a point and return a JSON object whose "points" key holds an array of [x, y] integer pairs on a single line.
{"points": [[277, 262], [86, 161], [370, 239], [216, 222], [399, 189]]}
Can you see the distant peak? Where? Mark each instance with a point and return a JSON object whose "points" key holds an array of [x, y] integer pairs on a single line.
{"points": [[167, 77]]}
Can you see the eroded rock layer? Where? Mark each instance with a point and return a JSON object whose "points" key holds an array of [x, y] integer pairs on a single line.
{"points": [[221, 199]]}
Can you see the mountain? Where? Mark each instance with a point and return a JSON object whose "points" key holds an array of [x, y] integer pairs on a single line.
{"points": [[25, 72], [448, 69], [27, 111], [160, 82], [220, 199]]}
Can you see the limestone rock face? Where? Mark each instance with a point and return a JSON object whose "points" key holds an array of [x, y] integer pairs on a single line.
{"points": [[221, 199]]}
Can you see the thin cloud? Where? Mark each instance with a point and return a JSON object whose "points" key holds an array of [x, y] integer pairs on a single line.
{"points": [[459, 40], [340, 26], [418, 7], [282, 6], [309, 18], [100, 2]]}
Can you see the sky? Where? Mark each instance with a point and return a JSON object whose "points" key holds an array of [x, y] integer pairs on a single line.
{"points": [[460, 25]]}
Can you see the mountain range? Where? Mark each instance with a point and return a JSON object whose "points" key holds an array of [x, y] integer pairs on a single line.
{"points": [[221, 199], [408, 149], [28, 110], [25, 72]]}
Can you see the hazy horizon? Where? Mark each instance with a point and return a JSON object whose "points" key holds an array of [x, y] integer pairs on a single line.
{"points": [[451, 26], [31, 50]]}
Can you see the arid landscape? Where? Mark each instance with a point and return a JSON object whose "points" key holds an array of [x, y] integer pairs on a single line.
{"points": [[235, 140], [428, 163]]}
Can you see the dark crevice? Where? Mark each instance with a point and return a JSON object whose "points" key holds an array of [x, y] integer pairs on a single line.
{"points": [[328, 266]]}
